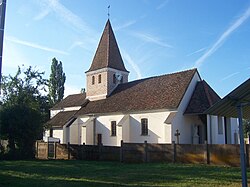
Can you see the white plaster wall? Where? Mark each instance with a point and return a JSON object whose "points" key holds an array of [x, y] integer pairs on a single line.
{"points": [[129, 130], [83, 135], [119, 135], [103, 126], [208, 130], [125, 131], [168, 137], [73, 133], [220, 139], [58, 133], [46, 135], [89, 132], [82, 130], [181, 122], [66, 134], [72, 108], [156, 128], [234, 129], [213, 134], [214, 129], [54, 112]]}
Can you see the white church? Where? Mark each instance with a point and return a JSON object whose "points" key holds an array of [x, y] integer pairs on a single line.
{"points": [[159, 109]]}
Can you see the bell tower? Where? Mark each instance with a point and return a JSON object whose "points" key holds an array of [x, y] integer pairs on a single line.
{"points": [[107, 69]]}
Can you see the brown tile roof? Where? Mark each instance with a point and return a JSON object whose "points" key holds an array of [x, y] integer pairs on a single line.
{"points": [[107, 53], [161, 92], [60, 119], [71, 101], [203, 98]]}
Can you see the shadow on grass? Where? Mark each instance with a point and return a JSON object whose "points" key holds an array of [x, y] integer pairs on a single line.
{"points": [[89, 173]]}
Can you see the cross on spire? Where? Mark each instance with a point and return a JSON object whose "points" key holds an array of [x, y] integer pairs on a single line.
{"points": [[108, 11]]}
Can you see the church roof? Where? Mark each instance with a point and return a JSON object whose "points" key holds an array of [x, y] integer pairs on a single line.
{"points": [[160, 92], [71, 101], [203, 98], [107, 53], [60, 119]]}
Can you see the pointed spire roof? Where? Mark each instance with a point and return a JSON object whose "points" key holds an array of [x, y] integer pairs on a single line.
{"points": [[107, 53]]}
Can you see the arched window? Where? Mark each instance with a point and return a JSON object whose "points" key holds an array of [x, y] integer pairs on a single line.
{"points": [[144, 126], [99, 78], [113, 128], [93, 79], [114, 79]]}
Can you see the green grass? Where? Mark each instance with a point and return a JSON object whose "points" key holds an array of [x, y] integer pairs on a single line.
{"points": [[88, 173]]}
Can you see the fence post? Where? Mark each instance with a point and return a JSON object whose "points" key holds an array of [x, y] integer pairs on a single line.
{"points": [[54, 150], [37, 149], [48, 149], [83, 151], [100, 151], [145, 154], [207, 153], [174, 151], [68, 151], [121, 151]]}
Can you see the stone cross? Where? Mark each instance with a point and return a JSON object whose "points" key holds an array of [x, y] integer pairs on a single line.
{"points": [[177, 134]]}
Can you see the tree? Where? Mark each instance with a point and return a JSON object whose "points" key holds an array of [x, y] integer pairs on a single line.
{"points": [[246, 126], [23, 110], [56, 82]]}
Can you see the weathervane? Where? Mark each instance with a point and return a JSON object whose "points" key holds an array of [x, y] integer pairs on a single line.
{"points": [[108, 11]]}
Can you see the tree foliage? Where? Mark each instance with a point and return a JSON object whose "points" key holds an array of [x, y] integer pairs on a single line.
{"points": [[24, 110], [56, 82], [246, 126]]}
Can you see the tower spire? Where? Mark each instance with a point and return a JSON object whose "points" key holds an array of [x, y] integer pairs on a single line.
{"points": [[107, 54], [107, 69]]}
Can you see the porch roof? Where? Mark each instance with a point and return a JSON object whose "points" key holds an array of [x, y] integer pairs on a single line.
{"points": [[203, 98], [228, 105], [71, 101], [62, 118]]}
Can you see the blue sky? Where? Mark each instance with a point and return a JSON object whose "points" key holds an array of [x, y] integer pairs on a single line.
{"points": [[155, 37]]}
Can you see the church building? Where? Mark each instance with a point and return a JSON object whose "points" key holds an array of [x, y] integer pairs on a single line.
{"points": [[159, 109]]}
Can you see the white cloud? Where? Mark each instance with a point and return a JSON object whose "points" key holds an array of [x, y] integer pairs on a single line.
{"points": [[34, 45], [128, 59], [151, 39], [162, 5], [65, 15], [10, 61], [229, 76], [197, 51], [42, 14], [223, 37], [76, 44], [69, 90], [125, 25]]}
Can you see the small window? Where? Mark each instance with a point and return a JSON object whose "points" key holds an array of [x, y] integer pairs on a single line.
{"points": [[51, 133], [114, 79], [113, 128], [93, 80], [220, 125], [99, 78], [144, 127]]}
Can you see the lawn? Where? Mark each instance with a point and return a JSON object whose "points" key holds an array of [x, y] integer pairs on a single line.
{"points": [[89, 173]]}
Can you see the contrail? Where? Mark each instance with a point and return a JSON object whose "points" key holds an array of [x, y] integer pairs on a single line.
{"points": [[223, 37]]}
